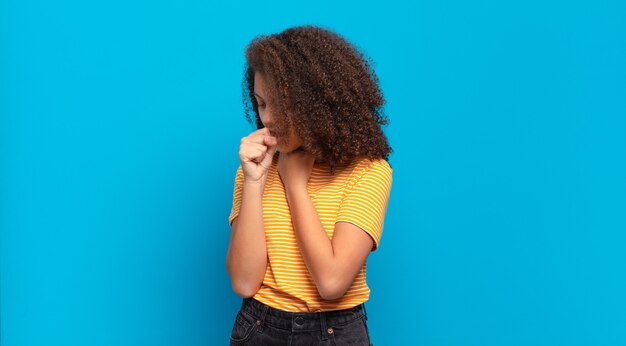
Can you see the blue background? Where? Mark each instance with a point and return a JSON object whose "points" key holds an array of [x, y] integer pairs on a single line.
{"points": [[119, 131]]}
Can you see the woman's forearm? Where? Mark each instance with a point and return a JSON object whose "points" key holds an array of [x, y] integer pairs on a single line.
{"points": [[246, 260], [314, 244]]}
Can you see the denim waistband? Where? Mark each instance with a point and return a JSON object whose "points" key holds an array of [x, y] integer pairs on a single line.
{"points": [[299, 321]]}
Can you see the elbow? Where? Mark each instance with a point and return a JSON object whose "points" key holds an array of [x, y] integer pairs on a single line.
{"points": [[331, 290], [242, 287], [245, 290], [244, 283]]}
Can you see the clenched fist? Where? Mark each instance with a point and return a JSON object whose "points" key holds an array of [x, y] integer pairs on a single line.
{"points": [[255, 153]]}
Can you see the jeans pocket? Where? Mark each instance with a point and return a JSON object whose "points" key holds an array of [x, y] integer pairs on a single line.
{"points": [[242, 329], [350, 333]]}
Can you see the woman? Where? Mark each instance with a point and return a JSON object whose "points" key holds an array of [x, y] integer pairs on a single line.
{"points": [[311, 191]]}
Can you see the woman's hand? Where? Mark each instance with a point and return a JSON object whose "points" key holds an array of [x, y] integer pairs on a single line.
{"points": [[295, 168], [255, 153]]}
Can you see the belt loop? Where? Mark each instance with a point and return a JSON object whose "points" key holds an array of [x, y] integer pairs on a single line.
{"points": [[364, 311], [263, 315], [323, 325]]}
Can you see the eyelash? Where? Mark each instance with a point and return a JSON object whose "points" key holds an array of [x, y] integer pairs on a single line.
{"points": [[262, 106]]}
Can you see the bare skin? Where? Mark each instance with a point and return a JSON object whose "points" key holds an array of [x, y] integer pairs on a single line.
{"points": [[333, 264]]}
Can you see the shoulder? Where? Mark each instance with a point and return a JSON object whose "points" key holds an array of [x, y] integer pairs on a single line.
{"points": [[378, 167], [368, 172]]}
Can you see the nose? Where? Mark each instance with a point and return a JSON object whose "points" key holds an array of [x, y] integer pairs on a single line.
{"points": [[266, 120]]}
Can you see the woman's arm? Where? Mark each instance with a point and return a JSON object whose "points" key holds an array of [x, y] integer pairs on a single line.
{"points": [[333, 264], [246, 260]]}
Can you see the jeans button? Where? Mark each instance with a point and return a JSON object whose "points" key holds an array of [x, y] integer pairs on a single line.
{"points": [[299, 320]]}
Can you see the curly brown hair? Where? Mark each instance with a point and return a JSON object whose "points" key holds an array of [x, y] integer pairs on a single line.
{"points": [[325, 87]]}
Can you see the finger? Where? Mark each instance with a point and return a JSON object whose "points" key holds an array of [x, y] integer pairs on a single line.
{"points": [[253, 152], [261, 139], [270, 141], [262, 130], [269, 155]]}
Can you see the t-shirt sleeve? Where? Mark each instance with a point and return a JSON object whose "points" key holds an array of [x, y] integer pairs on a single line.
{"points": [[234, 212], [365, 203]]}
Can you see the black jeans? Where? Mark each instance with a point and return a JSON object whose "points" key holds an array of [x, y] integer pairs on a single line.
{"points": [[260, 324]]}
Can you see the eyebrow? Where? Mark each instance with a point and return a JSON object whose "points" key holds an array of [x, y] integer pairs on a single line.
{"points": [[259, 96]]}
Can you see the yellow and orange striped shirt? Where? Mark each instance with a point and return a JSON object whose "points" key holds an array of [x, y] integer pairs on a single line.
{"points": [[357, 193]]}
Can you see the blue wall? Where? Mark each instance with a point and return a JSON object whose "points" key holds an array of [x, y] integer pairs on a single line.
{"points": [[119, 132]]}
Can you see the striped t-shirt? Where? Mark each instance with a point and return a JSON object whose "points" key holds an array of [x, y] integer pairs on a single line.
{"points": [[357, 193]]}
